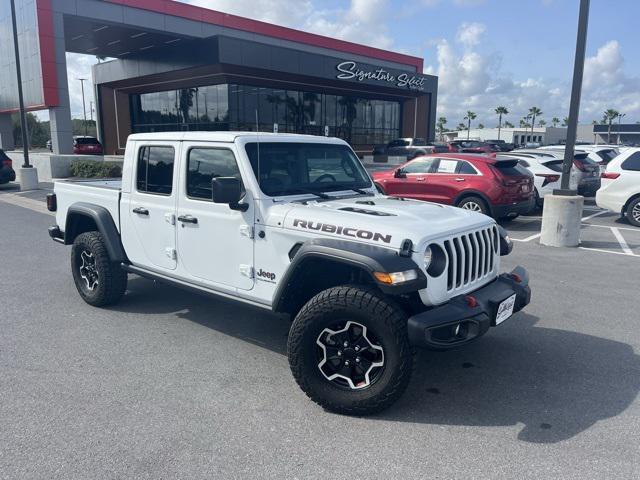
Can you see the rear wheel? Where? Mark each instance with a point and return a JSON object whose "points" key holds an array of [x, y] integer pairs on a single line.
{"points": [[99, 281], [349, 350], [633, 212], [473, 203]]}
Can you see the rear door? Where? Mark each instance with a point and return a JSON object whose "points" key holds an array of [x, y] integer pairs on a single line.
{"points": [[443, 183], [148, 210]]}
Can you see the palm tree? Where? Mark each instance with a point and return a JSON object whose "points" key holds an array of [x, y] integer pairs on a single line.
{"points": [[610, 115], [468, 117], [480, 126], [555, 121], [542, 122], [524, 122], [533, 111], [461, 126], [565, 122], [508, 124], [500, 111], [442, 121]]}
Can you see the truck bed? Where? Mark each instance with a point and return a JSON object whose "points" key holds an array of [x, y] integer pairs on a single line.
{"points": [[104, 192]]}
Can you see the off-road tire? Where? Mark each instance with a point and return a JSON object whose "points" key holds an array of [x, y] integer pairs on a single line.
{"points": [[111, 279], [379, 315], [631, 213], [473, 200]]}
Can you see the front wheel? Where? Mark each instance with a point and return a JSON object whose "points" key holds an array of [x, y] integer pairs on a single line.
{"points": [[349, 350], [633, 212], [100, 282]]}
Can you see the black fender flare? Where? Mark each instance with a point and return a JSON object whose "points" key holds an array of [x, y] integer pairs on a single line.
{"points": [[474, 193], [104, 223], [368, 258]]}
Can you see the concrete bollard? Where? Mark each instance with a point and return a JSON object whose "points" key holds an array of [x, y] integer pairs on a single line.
{"points": [[27, 178], [561, 220]]}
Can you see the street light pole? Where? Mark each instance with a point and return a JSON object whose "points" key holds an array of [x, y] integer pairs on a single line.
{"points": [[23, 115], [84, 110], [576, 91]]}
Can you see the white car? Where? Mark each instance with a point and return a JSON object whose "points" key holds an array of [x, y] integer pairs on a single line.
{"points": [[620, 191], [545, 179], [601, 154], [585, 173]]}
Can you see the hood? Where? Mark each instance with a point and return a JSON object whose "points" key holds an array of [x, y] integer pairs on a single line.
{"points": [[383, 221]]}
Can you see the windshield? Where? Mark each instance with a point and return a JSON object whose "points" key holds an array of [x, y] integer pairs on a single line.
{"points": [[295, 168]]}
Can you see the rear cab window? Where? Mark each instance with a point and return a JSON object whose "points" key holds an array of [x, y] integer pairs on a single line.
{"points": [[154, 169]]}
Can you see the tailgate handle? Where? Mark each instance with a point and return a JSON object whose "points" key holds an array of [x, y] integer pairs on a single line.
{"points": [[187, 219], [141, 211]]}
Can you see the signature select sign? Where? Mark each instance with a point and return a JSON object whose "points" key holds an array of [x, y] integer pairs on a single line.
{"points": [[349, 70]]}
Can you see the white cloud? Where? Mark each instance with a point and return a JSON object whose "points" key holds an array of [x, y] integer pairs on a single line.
{"points": [[469, 34]]}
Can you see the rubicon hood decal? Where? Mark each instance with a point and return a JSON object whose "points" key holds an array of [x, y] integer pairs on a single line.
{"points": [[341, 230]]}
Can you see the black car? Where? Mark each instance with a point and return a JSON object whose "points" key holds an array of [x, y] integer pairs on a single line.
{"points": [[501, 145], [6, 168]]}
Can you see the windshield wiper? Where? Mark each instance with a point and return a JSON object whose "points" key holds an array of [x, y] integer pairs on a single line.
{"points": [[312, 192]]}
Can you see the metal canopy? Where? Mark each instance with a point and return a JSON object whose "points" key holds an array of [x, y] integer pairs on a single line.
{"points": [[102, 39]]}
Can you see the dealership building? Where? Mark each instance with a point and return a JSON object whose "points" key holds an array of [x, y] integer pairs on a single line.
{"points": [[172, 66]]}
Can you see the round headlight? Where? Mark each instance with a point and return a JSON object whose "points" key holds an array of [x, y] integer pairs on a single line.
{"points": [[428, 255]]}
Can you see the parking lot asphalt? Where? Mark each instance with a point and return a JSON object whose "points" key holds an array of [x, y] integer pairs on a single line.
{"points": [[168, 384]]}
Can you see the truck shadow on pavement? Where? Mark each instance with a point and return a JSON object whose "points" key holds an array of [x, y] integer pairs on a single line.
{"points": [[558, 383]]}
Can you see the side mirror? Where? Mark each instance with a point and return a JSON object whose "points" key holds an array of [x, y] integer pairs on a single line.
{"points": [[228, 190], [400, 173]]}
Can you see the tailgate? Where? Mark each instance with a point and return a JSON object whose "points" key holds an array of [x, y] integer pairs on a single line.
{"points": [[517, 181]]}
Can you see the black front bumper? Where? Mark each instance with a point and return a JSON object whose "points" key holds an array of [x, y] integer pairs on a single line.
{"points": [[456, 323]]}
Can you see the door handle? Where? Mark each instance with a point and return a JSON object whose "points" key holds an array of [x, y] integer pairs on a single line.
{"points": [[459, 179], [419, 179], [187, 219], [141, 211]]}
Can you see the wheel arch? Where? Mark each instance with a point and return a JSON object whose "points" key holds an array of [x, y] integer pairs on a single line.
{"points": [[474, 193], [85, 217], [628, 202], [324, 263]]}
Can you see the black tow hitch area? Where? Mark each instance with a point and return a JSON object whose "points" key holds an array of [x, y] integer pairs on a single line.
{"points": [[456, 333]]}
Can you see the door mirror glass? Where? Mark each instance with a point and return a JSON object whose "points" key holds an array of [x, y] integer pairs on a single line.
{"points": [[226, 190], [400, 173]]}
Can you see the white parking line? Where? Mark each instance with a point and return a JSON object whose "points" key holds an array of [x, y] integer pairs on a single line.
{"points": [[637, 230], [601, 212], [607, 251], [621, 241], [528, 239]]}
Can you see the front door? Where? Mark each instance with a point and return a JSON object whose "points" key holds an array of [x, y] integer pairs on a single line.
{"points": [[148, 207], [215, 243], [413, 183]]}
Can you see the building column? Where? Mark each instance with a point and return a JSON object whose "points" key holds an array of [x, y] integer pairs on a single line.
{"points": [[6, 132], [60, 116]]}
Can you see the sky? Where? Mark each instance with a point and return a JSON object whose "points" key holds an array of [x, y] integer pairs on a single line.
{"points": [[486, 53]]}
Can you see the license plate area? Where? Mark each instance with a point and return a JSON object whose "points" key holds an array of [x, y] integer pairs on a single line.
{"points": [[505, 309]]}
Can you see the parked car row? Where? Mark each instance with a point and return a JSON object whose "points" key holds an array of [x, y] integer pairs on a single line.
{"points": [[620, 191], [415, 147]]}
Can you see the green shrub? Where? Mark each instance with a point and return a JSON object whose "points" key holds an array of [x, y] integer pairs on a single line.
{"points": [[93, 169]]}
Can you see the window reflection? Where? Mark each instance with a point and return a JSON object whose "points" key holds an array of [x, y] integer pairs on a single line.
{"points": [[359, 121]]}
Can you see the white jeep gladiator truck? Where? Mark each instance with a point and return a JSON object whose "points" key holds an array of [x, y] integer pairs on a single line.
{"points": [[294, 224]]}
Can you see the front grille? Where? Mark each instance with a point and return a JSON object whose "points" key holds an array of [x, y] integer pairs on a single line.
{"points": [[470, 257]]}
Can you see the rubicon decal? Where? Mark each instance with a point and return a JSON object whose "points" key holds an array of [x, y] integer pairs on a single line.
{"points": [[340, 230]]}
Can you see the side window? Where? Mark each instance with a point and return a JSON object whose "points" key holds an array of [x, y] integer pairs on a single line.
{"points": [[465, 168], [632, 163], [447, 166], [204, 164], [421, 165], [524, 163], [155, 169]]}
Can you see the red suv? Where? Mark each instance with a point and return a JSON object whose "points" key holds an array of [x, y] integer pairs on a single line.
{"points": [[500, 188], [86, 146]]}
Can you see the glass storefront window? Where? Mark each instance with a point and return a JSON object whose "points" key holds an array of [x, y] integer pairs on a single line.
{"points": [[359, 121]]}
